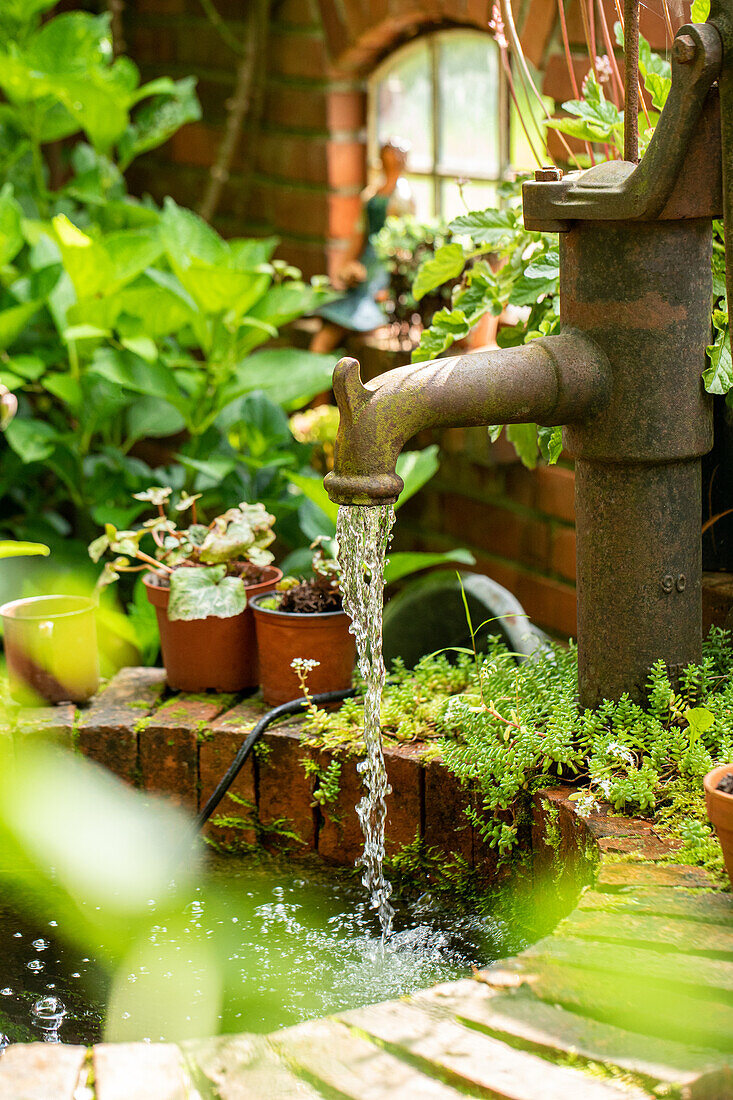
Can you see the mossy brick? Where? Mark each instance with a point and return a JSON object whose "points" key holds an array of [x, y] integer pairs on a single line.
{"points": [[169, 747], [216, 752], [446, 826], [339, 835], [285, 792], [106, 727], [405, 802], [652, 874], [47, 723]]}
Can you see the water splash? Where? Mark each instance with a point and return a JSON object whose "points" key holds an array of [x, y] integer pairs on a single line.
{"points": [[48, 1015], [363, 534]]}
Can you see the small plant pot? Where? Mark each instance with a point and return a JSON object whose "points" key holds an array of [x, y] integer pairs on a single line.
{"points": [[210, 654], [720, 811], [51, 649], [283, 636]]}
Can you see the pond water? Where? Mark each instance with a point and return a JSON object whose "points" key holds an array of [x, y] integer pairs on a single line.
{"points": [[292, 941]]}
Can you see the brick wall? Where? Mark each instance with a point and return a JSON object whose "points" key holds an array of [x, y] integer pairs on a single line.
{"points": [[518, 523]]}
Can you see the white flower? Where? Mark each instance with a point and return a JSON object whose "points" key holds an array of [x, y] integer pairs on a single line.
{"points": [[303, 665]]}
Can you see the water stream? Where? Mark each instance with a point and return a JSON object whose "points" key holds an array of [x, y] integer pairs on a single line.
{"points": [[363, 535]]}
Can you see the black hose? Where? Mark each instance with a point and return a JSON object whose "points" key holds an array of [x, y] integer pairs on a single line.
{"points": [[293, 707]]}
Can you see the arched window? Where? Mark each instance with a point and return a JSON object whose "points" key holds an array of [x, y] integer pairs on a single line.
{"points": [[446, 94]]}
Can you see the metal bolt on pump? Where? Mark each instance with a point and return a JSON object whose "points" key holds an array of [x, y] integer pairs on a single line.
{"points": [[623, 376]]}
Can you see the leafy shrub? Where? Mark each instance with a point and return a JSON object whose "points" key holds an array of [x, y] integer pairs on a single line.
{"points": [[506, 730], [121, 324]]}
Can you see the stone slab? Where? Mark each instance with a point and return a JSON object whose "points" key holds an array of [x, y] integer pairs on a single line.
{"points": [[659, 933], [653, 874], [141, 1071], [41, 1071], [243, 1067], [338, 1060], [552, 1030], [469, 1058], [686, 904]]}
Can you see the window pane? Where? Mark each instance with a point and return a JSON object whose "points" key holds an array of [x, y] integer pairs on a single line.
{"points": [[403, 104], [476, 196], [468, 94], [423, 191]]}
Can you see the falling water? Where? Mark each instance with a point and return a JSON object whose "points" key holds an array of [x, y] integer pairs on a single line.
{"points": [[363, 534]]}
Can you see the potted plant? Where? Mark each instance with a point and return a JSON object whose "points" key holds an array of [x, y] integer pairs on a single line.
{"points": [[302, 623], [200, 579], [719, 802]]}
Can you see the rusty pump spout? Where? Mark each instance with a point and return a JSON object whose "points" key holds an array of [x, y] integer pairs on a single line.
{"points": [[624, 377], [552, 381]]}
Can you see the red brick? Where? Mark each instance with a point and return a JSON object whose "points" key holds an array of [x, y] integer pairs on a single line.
{"points": [[294, 158], [446, 826], [196, 144], [497, 530], [299, 55], [346, 163], [106, 728], [169, 747], [556, 81], [339, 836], [548, 603], [285, 792], [537, 29], [297, 13], [562, 558], [404, 804], [346, 110], [297, 108]]}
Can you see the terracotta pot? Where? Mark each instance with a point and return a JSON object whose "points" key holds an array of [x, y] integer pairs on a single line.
{"points": [[210, 654], [322, 636], [51, 649], [720, 811]]}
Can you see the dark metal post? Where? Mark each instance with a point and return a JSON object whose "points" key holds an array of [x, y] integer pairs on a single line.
{"points": [[631, 80], [642, 292]]}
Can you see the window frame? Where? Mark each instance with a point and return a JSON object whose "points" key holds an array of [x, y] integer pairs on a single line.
{"points": [[436, 176]]}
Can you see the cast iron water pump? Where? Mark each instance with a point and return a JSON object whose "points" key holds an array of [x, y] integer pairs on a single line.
{"points": [[623, 377]]}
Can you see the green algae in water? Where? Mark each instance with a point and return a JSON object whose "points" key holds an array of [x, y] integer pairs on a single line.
{"points": [[293, 941]]}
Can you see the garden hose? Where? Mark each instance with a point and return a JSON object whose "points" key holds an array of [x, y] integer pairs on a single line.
{"points": [[285, 709]]}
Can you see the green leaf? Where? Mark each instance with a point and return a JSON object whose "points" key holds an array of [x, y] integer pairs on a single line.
{"points": [[447, 263], [201, 593], [188, 238], [14, 321], [524, 438], [550, 443], [416, 468], [718, 377], [123, 368], [151, 417], [11, 233], [288, 376], [11, 549], [173, 105], [491, 226], [312, 488], [700, 11], [402, 564], [32, 440]]}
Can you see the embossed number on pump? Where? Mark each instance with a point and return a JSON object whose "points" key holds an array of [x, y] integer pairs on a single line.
{"points": [[670, 583]]}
